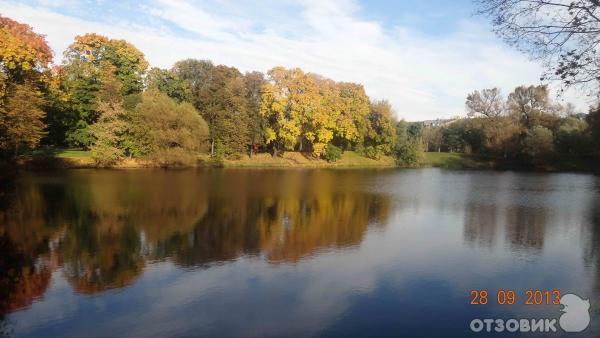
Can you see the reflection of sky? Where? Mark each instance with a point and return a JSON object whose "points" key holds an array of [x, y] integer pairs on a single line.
{"points": [[417, 270]]}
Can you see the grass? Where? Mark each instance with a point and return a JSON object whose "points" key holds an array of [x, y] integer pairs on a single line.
{"points": [[73, 153], [449, 161], [301, 160], [350, 159], [58, 152]]}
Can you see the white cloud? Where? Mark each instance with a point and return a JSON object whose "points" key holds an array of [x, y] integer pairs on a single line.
{"points": [[424, 77]]}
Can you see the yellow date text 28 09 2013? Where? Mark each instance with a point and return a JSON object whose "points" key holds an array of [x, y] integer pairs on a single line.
{"points": [[511, 297]]}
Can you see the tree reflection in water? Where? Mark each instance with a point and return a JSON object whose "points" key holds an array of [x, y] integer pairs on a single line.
{"points": [[101, 228]]}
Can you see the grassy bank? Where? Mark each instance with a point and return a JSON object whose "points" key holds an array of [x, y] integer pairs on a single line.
{"points": [[453, 161], [74, 158], [349, 159]]}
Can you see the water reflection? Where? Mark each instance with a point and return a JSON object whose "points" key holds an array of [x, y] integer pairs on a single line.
{"points": [[298, 253], [101, 228]]}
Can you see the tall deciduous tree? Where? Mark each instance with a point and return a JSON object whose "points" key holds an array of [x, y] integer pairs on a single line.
{"points": [[352, 122], [381, 134], [528, 104], [287, 100], [168, 82], [220, 94], [254, 82], [487, 102], [24, 60], [91, 63]]}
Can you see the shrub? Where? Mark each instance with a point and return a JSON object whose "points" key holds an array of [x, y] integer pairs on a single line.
{"points": [[407, 153], [173, 157], [372, 152], [174, 133], [332, 153], [106, 155]]}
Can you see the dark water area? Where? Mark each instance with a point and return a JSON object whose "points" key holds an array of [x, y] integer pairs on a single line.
{"points": [[271, 253]]}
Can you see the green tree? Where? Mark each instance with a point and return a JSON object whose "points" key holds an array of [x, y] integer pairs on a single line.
{"points": [[407, 147], [539, 144], [254, 82], [168, 82], [220, 95], [593, 120]]}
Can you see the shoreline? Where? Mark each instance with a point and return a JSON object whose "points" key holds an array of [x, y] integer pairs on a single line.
{"points": [[295, 160]]}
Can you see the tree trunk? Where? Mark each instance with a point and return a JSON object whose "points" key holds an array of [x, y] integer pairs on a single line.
{"points": [[212, 147]]}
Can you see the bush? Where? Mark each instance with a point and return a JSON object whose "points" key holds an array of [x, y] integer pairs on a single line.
{"points": [[407, 153], [372, 153], [175, 133], [173, 157], [106, 155], [332, 153]]}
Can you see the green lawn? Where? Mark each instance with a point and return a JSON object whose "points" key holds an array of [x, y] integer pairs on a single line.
{"points": [[447, 160], [72, 153], [57, 152]]}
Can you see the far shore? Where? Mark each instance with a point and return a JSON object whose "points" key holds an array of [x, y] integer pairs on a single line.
{"points": [[79, 159]]}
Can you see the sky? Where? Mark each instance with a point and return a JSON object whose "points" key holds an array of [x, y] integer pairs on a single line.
{"points": [[423, 56]]}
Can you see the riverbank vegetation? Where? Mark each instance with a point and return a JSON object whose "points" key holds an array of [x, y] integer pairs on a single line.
{"points": [[106, 101], [525, 130], [103, 99]]}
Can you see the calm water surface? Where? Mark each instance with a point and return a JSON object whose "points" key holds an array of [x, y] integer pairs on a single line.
{"points": [[259, 253]]}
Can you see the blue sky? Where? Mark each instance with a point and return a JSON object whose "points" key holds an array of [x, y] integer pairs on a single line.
{"points": [[423, 56]]}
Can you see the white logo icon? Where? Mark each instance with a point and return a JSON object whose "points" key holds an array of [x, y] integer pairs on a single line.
{"points": [[576, 316]]}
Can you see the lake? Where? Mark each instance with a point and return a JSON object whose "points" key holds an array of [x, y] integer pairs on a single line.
{"points": [[269, 253]]}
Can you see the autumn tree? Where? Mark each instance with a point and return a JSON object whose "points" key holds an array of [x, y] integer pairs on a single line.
{"points": [[320, 120], [287, 100], [172, 133], [352, 121], [528, 104], [381, 134], [91, 63], [308, 112], [487, 103], [24, 60], [110, 134]]}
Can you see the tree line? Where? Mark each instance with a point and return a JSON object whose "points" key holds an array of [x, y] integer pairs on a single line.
{"points": [[104, 97], [526, 129]]}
